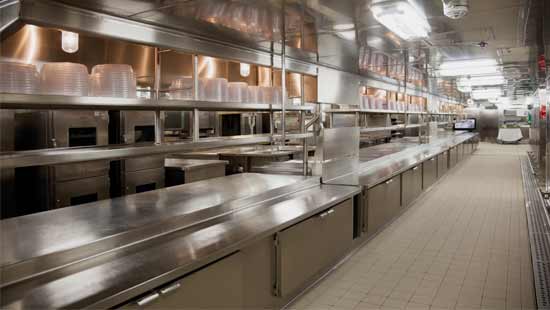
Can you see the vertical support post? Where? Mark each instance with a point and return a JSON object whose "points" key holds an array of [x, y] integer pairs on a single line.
{"points": [[283, 74], [156, 86], [194, 115]]}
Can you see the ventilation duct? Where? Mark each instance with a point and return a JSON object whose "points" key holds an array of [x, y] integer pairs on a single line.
{"points": [[455, 9]]}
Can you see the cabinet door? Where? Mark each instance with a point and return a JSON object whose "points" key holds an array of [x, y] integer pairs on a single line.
{"points": [[453, 159], [429, 169], [219, 285], [442, 164], [309, 247], [412, 185], [383, 203]]}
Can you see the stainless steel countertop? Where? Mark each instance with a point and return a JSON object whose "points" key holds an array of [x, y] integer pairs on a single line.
{"points": [[394, 159], [47, 240], [193, 164], [103, 253], [245, 151]]}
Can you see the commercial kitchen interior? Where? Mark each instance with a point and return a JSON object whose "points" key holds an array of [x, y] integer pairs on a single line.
{"points": [[274, 154]]}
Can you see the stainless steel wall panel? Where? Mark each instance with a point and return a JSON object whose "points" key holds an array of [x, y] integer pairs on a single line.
{"points": [[338, 87]]}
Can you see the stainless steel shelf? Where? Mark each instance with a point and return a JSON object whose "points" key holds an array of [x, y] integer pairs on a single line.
{"points": [[396, 127], [56, 156], [353, 111], [55, 102]]}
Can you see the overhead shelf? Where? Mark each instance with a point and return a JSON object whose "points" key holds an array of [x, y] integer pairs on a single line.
{"points": [[395, 127], [365, 111], [55, 102]]}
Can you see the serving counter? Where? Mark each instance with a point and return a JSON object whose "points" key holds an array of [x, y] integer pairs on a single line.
{"points": [[244, 240]]}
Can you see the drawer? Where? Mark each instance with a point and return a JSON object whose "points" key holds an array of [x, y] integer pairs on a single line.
{"points": [[442, 164], [219, 285], [383, 203], [429, 170], [310, 247], [411, 185]]}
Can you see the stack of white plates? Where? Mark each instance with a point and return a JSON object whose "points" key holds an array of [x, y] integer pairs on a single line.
{"points": [[18, 78], [237, 92], [64, 78], [113, 80], [182, 88]]}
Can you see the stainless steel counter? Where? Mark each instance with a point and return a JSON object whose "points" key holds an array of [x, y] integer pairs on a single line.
{"points": [[392, 159], [103, 253]]}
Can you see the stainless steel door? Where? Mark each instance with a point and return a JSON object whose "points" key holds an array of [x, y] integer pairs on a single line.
{"points": [[453, 157], [143, 180], [217, 286], [429, 169], [310, 247], [442, 164], [80, 191], [411, 185], [383, 204]]}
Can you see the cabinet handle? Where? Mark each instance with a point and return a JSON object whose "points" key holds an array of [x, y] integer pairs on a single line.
{"points": [[170, 288], [329, 212], [323, 215], [415, 168], [432, 159], [389, 181], [147, 299]]}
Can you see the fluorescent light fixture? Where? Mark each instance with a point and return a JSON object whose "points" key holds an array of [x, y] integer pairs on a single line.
{"points": [[486, 93], [469, 67], [343, 27], [345, 31], [69, 41], [402, 18]]}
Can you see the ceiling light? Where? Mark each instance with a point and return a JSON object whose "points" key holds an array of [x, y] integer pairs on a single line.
{"points": [[244, 69], [402, 18], [486, 93], [69, 41], [482, 80], [343, 26], [469, 67]]}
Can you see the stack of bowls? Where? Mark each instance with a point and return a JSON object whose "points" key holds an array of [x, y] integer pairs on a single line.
{"points": [[64, 78], [113, 80], [237, 92], [215, 89], [266, 94], [181, 88], [18, 78]]}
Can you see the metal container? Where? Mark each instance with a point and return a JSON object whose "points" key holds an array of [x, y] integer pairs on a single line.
{"points": [[182, 171]]}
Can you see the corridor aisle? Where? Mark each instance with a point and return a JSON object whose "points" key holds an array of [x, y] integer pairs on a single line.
{"points": [[462, 245]]}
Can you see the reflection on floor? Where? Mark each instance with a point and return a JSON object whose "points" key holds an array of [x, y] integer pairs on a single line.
{"points": [[462, 245]]}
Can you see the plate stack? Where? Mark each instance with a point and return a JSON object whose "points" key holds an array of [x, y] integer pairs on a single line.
{"points": [[181, 88], [64, 78], [113, 80], [18, 78]]}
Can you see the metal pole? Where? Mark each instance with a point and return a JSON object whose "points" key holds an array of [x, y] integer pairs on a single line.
{"points": [[156, 86], [283, 75], [194, 115]]}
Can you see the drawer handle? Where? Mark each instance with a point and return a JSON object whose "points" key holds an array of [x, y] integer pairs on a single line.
{"points": [[415, 168], [329, 212], [389, 181], [170, 288], [147, 299]]}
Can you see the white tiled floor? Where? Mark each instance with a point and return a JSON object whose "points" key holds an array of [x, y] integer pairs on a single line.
{"points": [[462, 245]]}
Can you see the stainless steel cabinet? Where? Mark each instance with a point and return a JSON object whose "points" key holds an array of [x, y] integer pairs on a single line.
{"points": [[411, 185], [442, 164], [79, 191], [219, 285], [383, 203], [429, 169], [309, 248], [144, 180], [453, 156]]}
